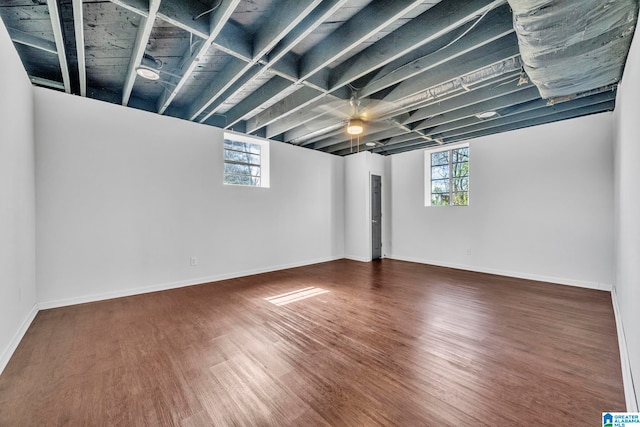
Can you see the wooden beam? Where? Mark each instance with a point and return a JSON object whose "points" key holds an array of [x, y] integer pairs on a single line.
{"points": [[139, 7], [466, 99], [528, 94], [78, 25], [414, 41], [263, 94], [374, 17], [415, 89], [497, 26], [551, 117], [495, 82], [529, 110], [142, 38], [436, 22], [302, 98], [46, 83], [282, 20], [233, 71], [411, 92], [318, 16], [181, 14], [217, 19], [54, 16], [370, 20], [232, 40], [428, 83], [574, 113], [30, 40]]}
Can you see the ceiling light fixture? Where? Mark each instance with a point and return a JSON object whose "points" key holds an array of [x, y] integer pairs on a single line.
{"points": [[149, 67], [147, 73], [370, 144], [355, 127], [486, 115]]}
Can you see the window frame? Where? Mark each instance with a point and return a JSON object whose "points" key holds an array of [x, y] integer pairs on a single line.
{"points": [[427, 172], [263, 155]]}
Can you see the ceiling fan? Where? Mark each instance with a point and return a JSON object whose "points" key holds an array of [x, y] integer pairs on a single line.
{"points": [[361, 116]]}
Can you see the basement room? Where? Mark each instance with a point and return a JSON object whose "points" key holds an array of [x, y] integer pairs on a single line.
{"points": [[319, 213]]}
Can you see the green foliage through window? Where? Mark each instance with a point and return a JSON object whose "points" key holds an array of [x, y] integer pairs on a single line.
{"points": [[450, 177], [241, 163]]}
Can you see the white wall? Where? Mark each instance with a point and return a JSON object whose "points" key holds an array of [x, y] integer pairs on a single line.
{"points": [[126, 197], [17, 197], [541, 206], [627, 179], [357, 193]]}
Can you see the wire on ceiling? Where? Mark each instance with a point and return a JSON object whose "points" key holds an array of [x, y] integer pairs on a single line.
{"points": [[208, 11], [467, 31]]}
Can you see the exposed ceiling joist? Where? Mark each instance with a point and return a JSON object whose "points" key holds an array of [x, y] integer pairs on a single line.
{"points": [[418, 73], [429, 26], [465, 100], [217, 19], [302, 98], [527, 111], [415, 89], [78, 25], [425, 84], [182, 14], [540, 120], [267, 91], [46, 83], [495, 27], [54, 15], [467, 63], [527, 94], [277, 26], [449, 18], [316, 18], [139, 7], [27, 39], [142, 38], [302, 136], [374, 17], [276, 57]]}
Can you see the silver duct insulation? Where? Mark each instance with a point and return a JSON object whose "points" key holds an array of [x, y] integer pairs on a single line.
{"points": [[573, 46]]}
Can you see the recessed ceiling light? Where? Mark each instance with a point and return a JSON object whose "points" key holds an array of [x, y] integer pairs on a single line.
{"points": [[486, 114], [370, 144], [147, 73]]}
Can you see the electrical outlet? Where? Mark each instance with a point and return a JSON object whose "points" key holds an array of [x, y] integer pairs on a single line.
{"points": [[193, 261]]}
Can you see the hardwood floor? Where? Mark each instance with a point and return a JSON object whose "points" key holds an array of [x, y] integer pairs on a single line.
{"points": [[391, 343]]}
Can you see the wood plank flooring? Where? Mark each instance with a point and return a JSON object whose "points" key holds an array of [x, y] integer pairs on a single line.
{"points": [[391, 343]]}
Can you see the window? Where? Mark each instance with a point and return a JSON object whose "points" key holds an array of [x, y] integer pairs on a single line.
{"points": [[245, 161], [447, 177]]}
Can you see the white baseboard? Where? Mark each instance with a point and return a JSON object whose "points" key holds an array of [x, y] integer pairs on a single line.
{"points": [[527, 276], [357, 258], [11, 348], [173, 285], [627, 378]]}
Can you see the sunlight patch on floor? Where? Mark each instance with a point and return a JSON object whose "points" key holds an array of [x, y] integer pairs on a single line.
{"points": [[297, 295]]}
